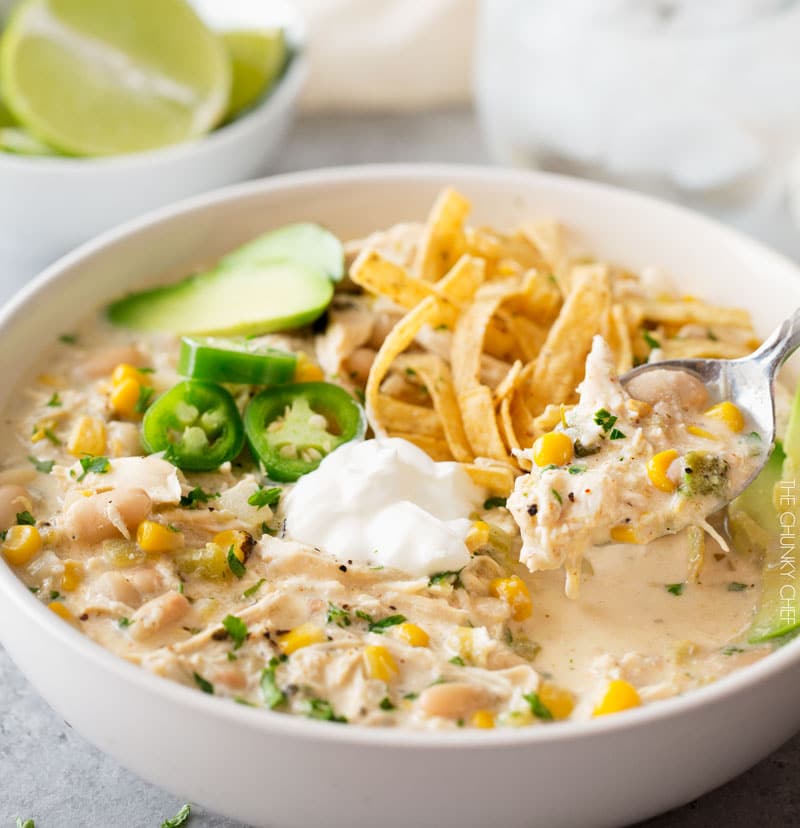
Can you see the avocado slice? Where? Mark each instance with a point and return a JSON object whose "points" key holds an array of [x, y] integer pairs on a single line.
{"points": [[241, 299], [306, 242]]}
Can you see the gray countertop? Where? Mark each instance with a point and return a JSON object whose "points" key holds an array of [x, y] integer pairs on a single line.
{"points": [[48, 772]]}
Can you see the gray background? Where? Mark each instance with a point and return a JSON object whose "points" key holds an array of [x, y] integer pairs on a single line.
{"points": [[48, 772]]}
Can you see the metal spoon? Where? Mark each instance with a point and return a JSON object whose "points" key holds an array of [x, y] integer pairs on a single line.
{"points": [[748, 382]]}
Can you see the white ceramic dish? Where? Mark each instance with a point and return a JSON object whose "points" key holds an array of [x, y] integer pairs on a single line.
{"points": [[49, 205], [270, 769]]}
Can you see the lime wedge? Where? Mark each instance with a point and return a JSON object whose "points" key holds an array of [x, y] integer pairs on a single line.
{"points": [[21, 142], [105, 77], [257, 58], [6, 118]]}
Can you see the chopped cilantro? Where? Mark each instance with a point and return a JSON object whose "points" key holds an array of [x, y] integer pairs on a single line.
{"points": [[235, 565], [616, 434], [25, 519], [538, 707], [736, 586], [712, 336], [674, 589], [43, 466], [251, 591], [181, 818], [34, 590], [382, 624], [411, 372], [605, 419], [754, 435], [556, 495], [145, 395], [265, 497], [48, 432], [576, 469], [179, 588], [54, 595], [411, 696], [232, 656], [732, 650], [146, 370], [236, 629], [205, 685], [124, 622], [451, 576], [494, 503], [458, 661], [386, 704], [68, 339], [197, 495], [338, 616], [54, 401], [273, 695], [97, 465], [323, 709], [651, 341]]}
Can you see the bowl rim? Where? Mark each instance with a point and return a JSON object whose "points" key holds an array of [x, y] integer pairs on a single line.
{"points": [[299, 727], [286, 90]]}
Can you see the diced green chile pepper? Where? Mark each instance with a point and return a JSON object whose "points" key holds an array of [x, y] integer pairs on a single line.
{"points": [[196, 424], [292, 427], [236, 360]]}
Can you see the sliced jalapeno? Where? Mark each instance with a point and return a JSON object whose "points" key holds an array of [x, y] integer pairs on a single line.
{"points": [[236, 360], [290, 428], [196, 424]]}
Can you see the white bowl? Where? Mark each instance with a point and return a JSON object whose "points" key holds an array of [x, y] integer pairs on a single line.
{"points": [[271, 769], [48, 205]]}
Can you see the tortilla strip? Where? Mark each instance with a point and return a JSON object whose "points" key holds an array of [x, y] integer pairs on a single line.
{"points": [[382, 277], [692, 310], [549, 238], [443, 240], [435, 448], [477, 411], [458, 286], [617, 334], [398, 415], [507, 385], [700, 348], [497, 478]]}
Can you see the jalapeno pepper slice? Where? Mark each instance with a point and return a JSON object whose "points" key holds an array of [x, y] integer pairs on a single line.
{"points": [[236, 360], [196, 424], [290, 428]]}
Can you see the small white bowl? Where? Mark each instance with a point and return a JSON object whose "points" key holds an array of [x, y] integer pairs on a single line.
{"points": [[48, 205], [271, 769]]}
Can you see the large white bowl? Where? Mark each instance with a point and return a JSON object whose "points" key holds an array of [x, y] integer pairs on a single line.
{"points": [[270, 769]]}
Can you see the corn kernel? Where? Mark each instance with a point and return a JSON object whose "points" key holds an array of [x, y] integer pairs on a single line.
{"points": [[61, 611], [72, 576], [124, 397], [380, 663], [623, 534], [553, 449], [483, 719], [125, 371], [701, 432], [639, 408], [155, 537], [515, 593], [619, 695], [657, 468], [21, 544], [307, 371], [236, 538], [413, 635], [728, 413], [88, 437], [478, 535], [303, 636], [557, 700]]}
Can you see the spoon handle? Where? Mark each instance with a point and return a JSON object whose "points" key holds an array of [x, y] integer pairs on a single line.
{"points": [[779, 345]]}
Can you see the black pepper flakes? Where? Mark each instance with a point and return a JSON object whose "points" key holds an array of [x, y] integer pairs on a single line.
{"points": [[342, 568], [533, 509], [571, 497]]}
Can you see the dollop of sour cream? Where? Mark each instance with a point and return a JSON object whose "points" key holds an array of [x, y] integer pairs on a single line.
{"points": [[386, 503]]}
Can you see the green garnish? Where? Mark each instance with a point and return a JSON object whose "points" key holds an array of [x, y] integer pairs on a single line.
{"points": [[68, 339], [235, 565], [585, 451], [251, 591], [34, 590], [576, 469], [54, 595], [265, 497], [124, 622], [236, 629], [338, 616], [494, 503], [411, 696], [273, 695], [25, 519], [181, 818], [145, 395], [704, 474], [25, 823], [54, 401], [43, 466], [605, 419], [616, 434], [386, 704], [451, 576], [556, 495], [322, 709], [381, 625], [651, 341], [197, 495], [674, 589], [538, 707], [205, 685], [458, 661], [736, 586], [48, 432], [97, 465], [732, 650]]}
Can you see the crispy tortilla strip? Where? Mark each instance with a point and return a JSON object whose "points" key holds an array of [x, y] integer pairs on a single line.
{"points": [[617, 334], [560, 365], [700, 348], [458, 286], [550, 240], [435, 374], [548, 419], [398, 415], [507, 385], [539, 300], [443, 240], [505, 255], [497, 478], [429, 311], [506, 424], [692, 310], [433, 447], [382, 277], [477, 411], [529, 336]]}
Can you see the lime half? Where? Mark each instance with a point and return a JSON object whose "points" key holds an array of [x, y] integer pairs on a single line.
{"points": [[257, 59], [20, 142], [105, 77], [6, 118]]}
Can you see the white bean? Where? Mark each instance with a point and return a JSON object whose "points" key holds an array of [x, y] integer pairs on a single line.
{"points": [[158, 614], [116, 587], [96, 518], [454, 700]]}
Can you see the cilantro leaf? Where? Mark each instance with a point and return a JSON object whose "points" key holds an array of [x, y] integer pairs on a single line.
{"points": [[605, 419], [616, 434], [68, 339], [273, 695], [538, 707], [576, 469], [181, 818], [145, 395], [451, 576], [556, 495], [674, 589], [97, 465], [382, 624], [235, 565], [43, 466], [236, 629], [386, 704], [205, 685], [736, 586], [25, 519], [54, 401], [322, 709], [251, 591], [265, 497], [458, 661], [124, 622], [338, 616], [494, 503], [197, 495], [651, 341]]}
